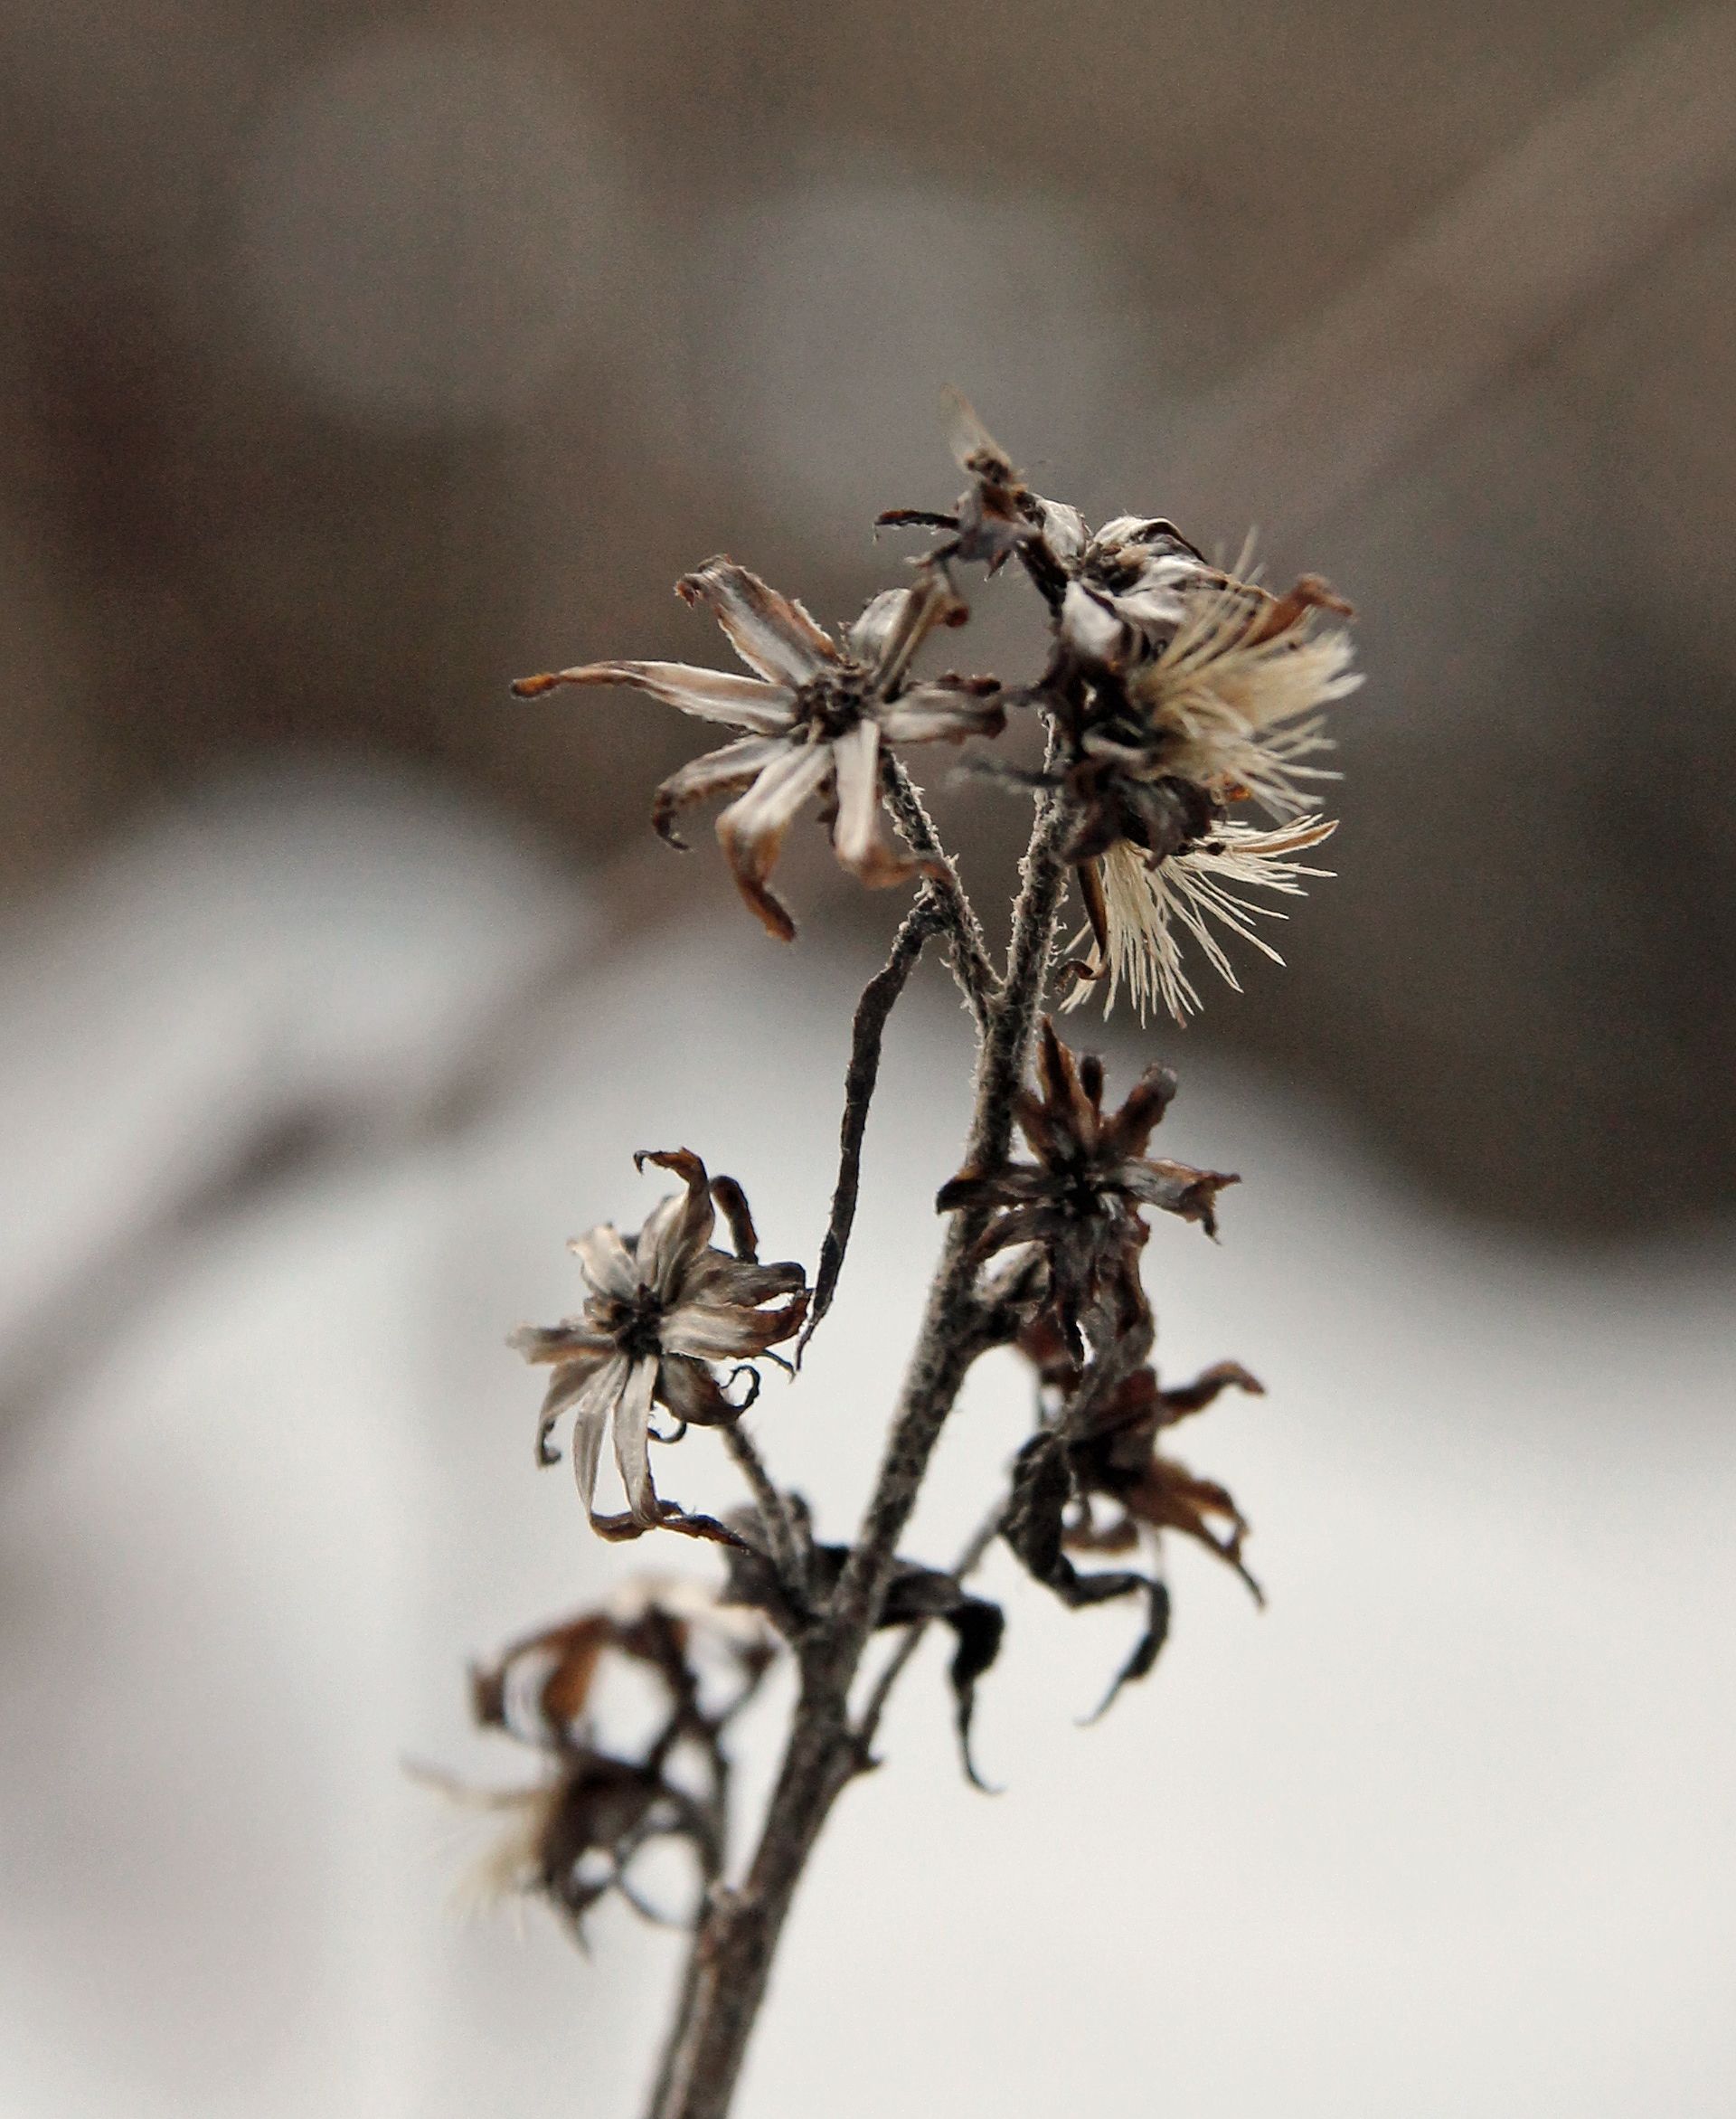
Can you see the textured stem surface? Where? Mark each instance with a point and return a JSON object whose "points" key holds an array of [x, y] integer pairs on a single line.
{"points": [[737, 1935]]}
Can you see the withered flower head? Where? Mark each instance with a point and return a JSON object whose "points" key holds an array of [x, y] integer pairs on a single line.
{"points": [[1116, 1457], [664, 1306], [540, 1689], [1092, 1448], [1081, 1199], [1114, 596], [818, 718], [572, 1836], [1226, 712]]}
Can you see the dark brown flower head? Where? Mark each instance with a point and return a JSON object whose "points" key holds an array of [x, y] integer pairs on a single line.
{"points": [[1090, 1449], [541, 1689], [1115, 1458], [1081, 1199], [572, 1836], [818, 720], [664, 1306]]}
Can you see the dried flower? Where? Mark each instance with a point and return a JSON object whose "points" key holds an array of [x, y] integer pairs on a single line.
{"points": [[1116, 1457], [572, 1836], [1231, 703], [540, 1689], [1114, 596], [817, 720], [664, 1306], [1081, 1199], [1144, 900], [1097, 1445], [1226, 712]]}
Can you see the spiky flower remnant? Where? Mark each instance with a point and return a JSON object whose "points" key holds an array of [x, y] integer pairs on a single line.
{"points": [[1178, 691], [572, 1836], [1080, 1201]]}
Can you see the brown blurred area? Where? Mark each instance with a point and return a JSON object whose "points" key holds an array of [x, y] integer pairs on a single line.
{"points": [[354, 363]]}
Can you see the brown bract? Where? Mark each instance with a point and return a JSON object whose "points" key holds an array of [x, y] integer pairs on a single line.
{"points": [[1117, 1458], [663, 1307], [1081, 1199], [818, 718]]}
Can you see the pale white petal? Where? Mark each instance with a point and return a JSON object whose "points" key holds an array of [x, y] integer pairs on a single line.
{"points": [[676, 1232], [770, 804], [771, 633], [606, 1262], [939, 713], [719, 773], [857, 836], [632, 1438], [870, 635], [714, 695], [595, 1403], [656, 1244], [1090, 626], [1064, 528], [714, 1332]]}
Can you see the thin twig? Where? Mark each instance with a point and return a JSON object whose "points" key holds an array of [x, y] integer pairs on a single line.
{"points": [[943, 1351], [786, 1551], [879, 998], [969, 1560], [969, 951]]}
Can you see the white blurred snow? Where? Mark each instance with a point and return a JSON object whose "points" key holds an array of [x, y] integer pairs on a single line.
{"points": [[300, 1097]]}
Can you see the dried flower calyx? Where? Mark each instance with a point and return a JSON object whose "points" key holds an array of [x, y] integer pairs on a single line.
{"points": [[1107, 1451], [817, 717], [1112, 596], [574, 1835], [663, 1307], [1080, 1200]]}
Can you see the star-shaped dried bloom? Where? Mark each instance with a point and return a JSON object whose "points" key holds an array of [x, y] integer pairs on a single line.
{"points": [[1080, 1200], [818, 718], [663, 1307]]}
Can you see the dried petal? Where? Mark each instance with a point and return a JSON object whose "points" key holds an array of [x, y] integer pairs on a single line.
{"points": [[752, 829], [771, 633], [713, 695]]}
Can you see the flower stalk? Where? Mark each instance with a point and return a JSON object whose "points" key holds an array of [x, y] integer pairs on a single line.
{"points": [[1172, 693]]}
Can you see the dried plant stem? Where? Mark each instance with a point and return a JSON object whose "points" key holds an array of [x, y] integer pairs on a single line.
{"points": [[879, 996], [738, 1932], [786, 1553], [968, 952]]}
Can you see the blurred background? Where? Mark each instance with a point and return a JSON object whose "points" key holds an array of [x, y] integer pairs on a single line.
{"points": [[354, 361]]}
